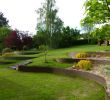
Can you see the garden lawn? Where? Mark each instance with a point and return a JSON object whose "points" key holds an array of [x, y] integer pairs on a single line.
{"points": [[16, 85], [41, 86], [61, 53]]}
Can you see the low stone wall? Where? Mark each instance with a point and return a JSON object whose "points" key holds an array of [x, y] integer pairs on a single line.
{"points": [[67, 60], [18, 58], [68, 72], [5, 62], [30, 53], [73, 60]]}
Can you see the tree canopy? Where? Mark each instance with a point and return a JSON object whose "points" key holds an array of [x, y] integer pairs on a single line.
{"points": [[3, 20], [49, 24], [96, 12]]}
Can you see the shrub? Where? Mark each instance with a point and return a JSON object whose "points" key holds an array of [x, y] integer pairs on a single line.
{"points": [[8, 54], [82, 55], [6, 50], [84, 64]]}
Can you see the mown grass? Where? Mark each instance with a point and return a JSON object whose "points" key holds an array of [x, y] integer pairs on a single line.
{"points": [[36, 86], [16, 85], [61, 53]]}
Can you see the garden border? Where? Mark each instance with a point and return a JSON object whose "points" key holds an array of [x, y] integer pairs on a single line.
{"points": [[68, 72]]}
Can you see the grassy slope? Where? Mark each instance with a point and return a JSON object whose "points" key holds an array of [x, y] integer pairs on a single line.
{"points": [[29, 86], [59, 53]]}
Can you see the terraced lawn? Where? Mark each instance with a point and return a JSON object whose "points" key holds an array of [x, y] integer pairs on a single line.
{"points": [[16, 85], [62, 53]]}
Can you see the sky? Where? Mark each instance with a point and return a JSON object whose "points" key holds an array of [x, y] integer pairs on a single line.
{"points": [[22, 13]]}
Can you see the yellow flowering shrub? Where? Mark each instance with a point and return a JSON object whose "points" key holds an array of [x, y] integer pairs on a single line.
{"points": [[81, 55], [84, 64]]}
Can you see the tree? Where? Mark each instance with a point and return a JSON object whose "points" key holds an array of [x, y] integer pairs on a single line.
{"points": [[102, 34], [3, 20], [69, 36], [48, 22], [97, 12], [44, 49], [39, 39], [26, 39], [57, 33], [13, 41], [4, 29], [4, 32], [17, 40]]}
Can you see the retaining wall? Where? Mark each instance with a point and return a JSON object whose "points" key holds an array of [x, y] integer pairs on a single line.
{"points": [[94, 60]]}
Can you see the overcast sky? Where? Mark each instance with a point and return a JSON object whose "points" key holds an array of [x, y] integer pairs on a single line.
{"points": [[21, 13]]}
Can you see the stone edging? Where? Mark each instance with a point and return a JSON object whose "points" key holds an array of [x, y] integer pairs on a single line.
{"points": [[94, 60], [68, 72]]}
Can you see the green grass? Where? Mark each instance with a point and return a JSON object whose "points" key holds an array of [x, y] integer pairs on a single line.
{"points": [[41, 86], [60, 53], [16, 85]]}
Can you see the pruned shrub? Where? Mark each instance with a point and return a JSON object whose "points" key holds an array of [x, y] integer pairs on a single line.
{"points": [[84, 64], [6, 50], [81, 55]]}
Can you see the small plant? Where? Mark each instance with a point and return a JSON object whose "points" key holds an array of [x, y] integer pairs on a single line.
{"points": [[44, 49], [6, 50], [84, 64], [82, 55]]}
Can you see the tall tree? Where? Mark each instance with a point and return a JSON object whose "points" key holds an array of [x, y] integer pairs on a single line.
{"points": [[48, 20]]}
